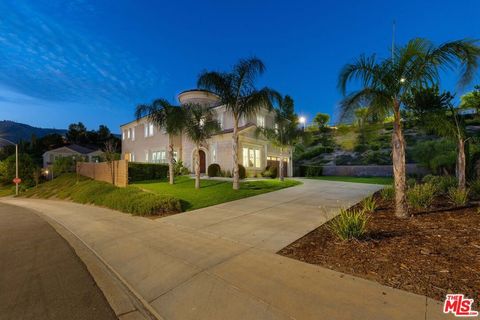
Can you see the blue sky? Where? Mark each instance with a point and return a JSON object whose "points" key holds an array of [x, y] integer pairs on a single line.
{"points": [[94, 61]]}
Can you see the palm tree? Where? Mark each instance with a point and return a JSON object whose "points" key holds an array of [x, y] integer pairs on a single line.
{"points": [[387, 83], [436, 113], [171, 118], [200, 125], [237, 92]]}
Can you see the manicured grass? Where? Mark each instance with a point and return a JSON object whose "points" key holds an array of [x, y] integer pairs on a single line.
{"points": [[211, 192], [130, 200], [370, 180]]}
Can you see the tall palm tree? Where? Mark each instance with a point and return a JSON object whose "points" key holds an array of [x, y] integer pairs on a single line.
{"points": [[286, 132], [237, 92], [200, 125], [435, 112], [171, 118], [387, 83]]}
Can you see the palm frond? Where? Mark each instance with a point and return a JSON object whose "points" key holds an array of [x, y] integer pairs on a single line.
{"points": [[363, 70]]}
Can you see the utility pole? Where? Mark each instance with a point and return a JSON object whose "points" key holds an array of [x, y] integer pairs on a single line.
{"points": [[16, 169]]}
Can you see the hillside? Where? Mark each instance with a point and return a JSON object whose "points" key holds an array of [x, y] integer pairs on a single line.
{"points": [[15, 131]]}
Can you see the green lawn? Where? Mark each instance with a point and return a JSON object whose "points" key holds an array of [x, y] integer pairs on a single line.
{"points": [[211, 192], [370, 180], [7, 190]]}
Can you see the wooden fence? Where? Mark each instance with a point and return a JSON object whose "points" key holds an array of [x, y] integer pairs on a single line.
{"points": [[115, 172]]}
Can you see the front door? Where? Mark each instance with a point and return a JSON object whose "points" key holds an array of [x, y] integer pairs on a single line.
{"points": [[202, 162]]}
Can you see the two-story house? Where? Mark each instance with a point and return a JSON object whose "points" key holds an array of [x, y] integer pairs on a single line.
{"points": [[142, 141]]}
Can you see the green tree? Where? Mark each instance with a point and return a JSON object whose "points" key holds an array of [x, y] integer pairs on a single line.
{"points": [[286, 132], [387, 83], [237, 92], [321, 120], [77, 133], [200, 124], [471, 100], [26, 167], [171, 118], [435, 112]]}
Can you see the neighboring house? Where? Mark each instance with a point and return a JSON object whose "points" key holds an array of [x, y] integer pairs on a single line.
{"points": [[72, 150], [143, 142]]}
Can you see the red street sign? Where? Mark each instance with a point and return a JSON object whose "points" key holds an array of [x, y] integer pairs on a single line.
{"points": [[17, 180]]}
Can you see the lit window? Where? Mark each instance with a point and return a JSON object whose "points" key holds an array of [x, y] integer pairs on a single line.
{"points": [[214, 155], [123, 135], [220, 120], [129, 133], [251, 158], [175, 155], [145, 130], [133, 157], [260, 121], [276, 127], [150, 129], [146, 156], [133, 134]]}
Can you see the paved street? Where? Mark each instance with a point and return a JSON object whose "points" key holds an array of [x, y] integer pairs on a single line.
{"points": [[220, 262], [40, 275]]}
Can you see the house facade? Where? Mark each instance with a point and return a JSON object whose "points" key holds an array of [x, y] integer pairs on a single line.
{"points": [[74, 151], [144, 142]]}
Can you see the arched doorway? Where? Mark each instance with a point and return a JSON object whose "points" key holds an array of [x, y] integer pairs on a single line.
{"points": [[203, 168]]}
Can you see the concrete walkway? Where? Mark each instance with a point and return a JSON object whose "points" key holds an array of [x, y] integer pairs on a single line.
{"points": [[219, 262]]}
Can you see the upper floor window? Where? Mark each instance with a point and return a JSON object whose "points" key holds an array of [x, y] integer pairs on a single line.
{"points": [[123, 135], [260, 121], [148, 129], [220, 120], [276, 127], [129, 133], [133, 134]]}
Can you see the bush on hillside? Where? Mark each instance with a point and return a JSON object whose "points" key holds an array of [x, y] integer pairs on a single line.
{"points": [[314, 152], [438, 156], [146, 171], [242, 173], [214, 170], [313, 171]]}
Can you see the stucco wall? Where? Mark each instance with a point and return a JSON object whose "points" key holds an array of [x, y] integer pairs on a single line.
{"points": [[103, 171]]}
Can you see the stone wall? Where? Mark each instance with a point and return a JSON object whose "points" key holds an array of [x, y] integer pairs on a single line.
{"points": [[370, 171], [104, 171]]}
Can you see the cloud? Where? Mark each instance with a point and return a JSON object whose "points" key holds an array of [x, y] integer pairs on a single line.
{"points": [[48, 59]]}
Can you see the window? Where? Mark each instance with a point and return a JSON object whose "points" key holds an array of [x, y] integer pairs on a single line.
{"points": [[214, 155], [220, 120], [159, 157], [146, 156], [129, 133], [123, 135], [148, 129], [276, 128], [133, 134], [175, 155], [260, 121], [252, 158]]}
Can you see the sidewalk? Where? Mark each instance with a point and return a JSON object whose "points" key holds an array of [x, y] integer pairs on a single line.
{"points": [[187, 268]]}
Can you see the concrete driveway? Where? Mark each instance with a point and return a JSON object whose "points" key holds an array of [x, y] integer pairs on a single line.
{"points": [[219, 262]]}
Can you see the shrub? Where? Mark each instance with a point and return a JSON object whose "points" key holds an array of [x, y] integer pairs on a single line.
{"points": [[441, 183], [270, 172], [457, 196], [421, 196], [369, 204], [214, 170], [388, 193], [242, 173], [411, 182], [314, 152], [63, 165], [437, 156], [179, 169], [475, 189], [313, 171], [146, 171], [350, 224]]}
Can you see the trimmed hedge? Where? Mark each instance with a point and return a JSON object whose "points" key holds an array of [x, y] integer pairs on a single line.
{"points": [[214, 170], [146, 171]]}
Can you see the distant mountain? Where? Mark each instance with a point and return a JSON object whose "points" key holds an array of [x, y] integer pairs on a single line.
{"points": [[15, 131]]}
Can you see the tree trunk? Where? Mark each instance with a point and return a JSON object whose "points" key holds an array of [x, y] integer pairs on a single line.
{"points": [[171, 172], [197, 168], [461, 163], [280, 166], [236, 178], [399, 167]]}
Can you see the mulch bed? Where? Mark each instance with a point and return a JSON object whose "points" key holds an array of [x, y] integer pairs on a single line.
{"points": [[431, 254]]}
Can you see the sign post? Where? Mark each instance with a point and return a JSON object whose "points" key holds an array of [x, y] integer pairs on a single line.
{"points": [[17, 179]]}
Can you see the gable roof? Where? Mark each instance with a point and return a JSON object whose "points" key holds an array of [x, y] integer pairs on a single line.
{"points": [[75, 148]]}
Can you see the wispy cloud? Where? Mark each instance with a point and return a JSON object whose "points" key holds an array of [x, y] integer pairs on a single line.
{"points": [[46, 59]]}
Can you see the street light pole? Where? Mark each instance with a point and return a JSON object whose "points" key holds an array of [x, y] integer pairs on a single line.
{"points": [[16, 169]]}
